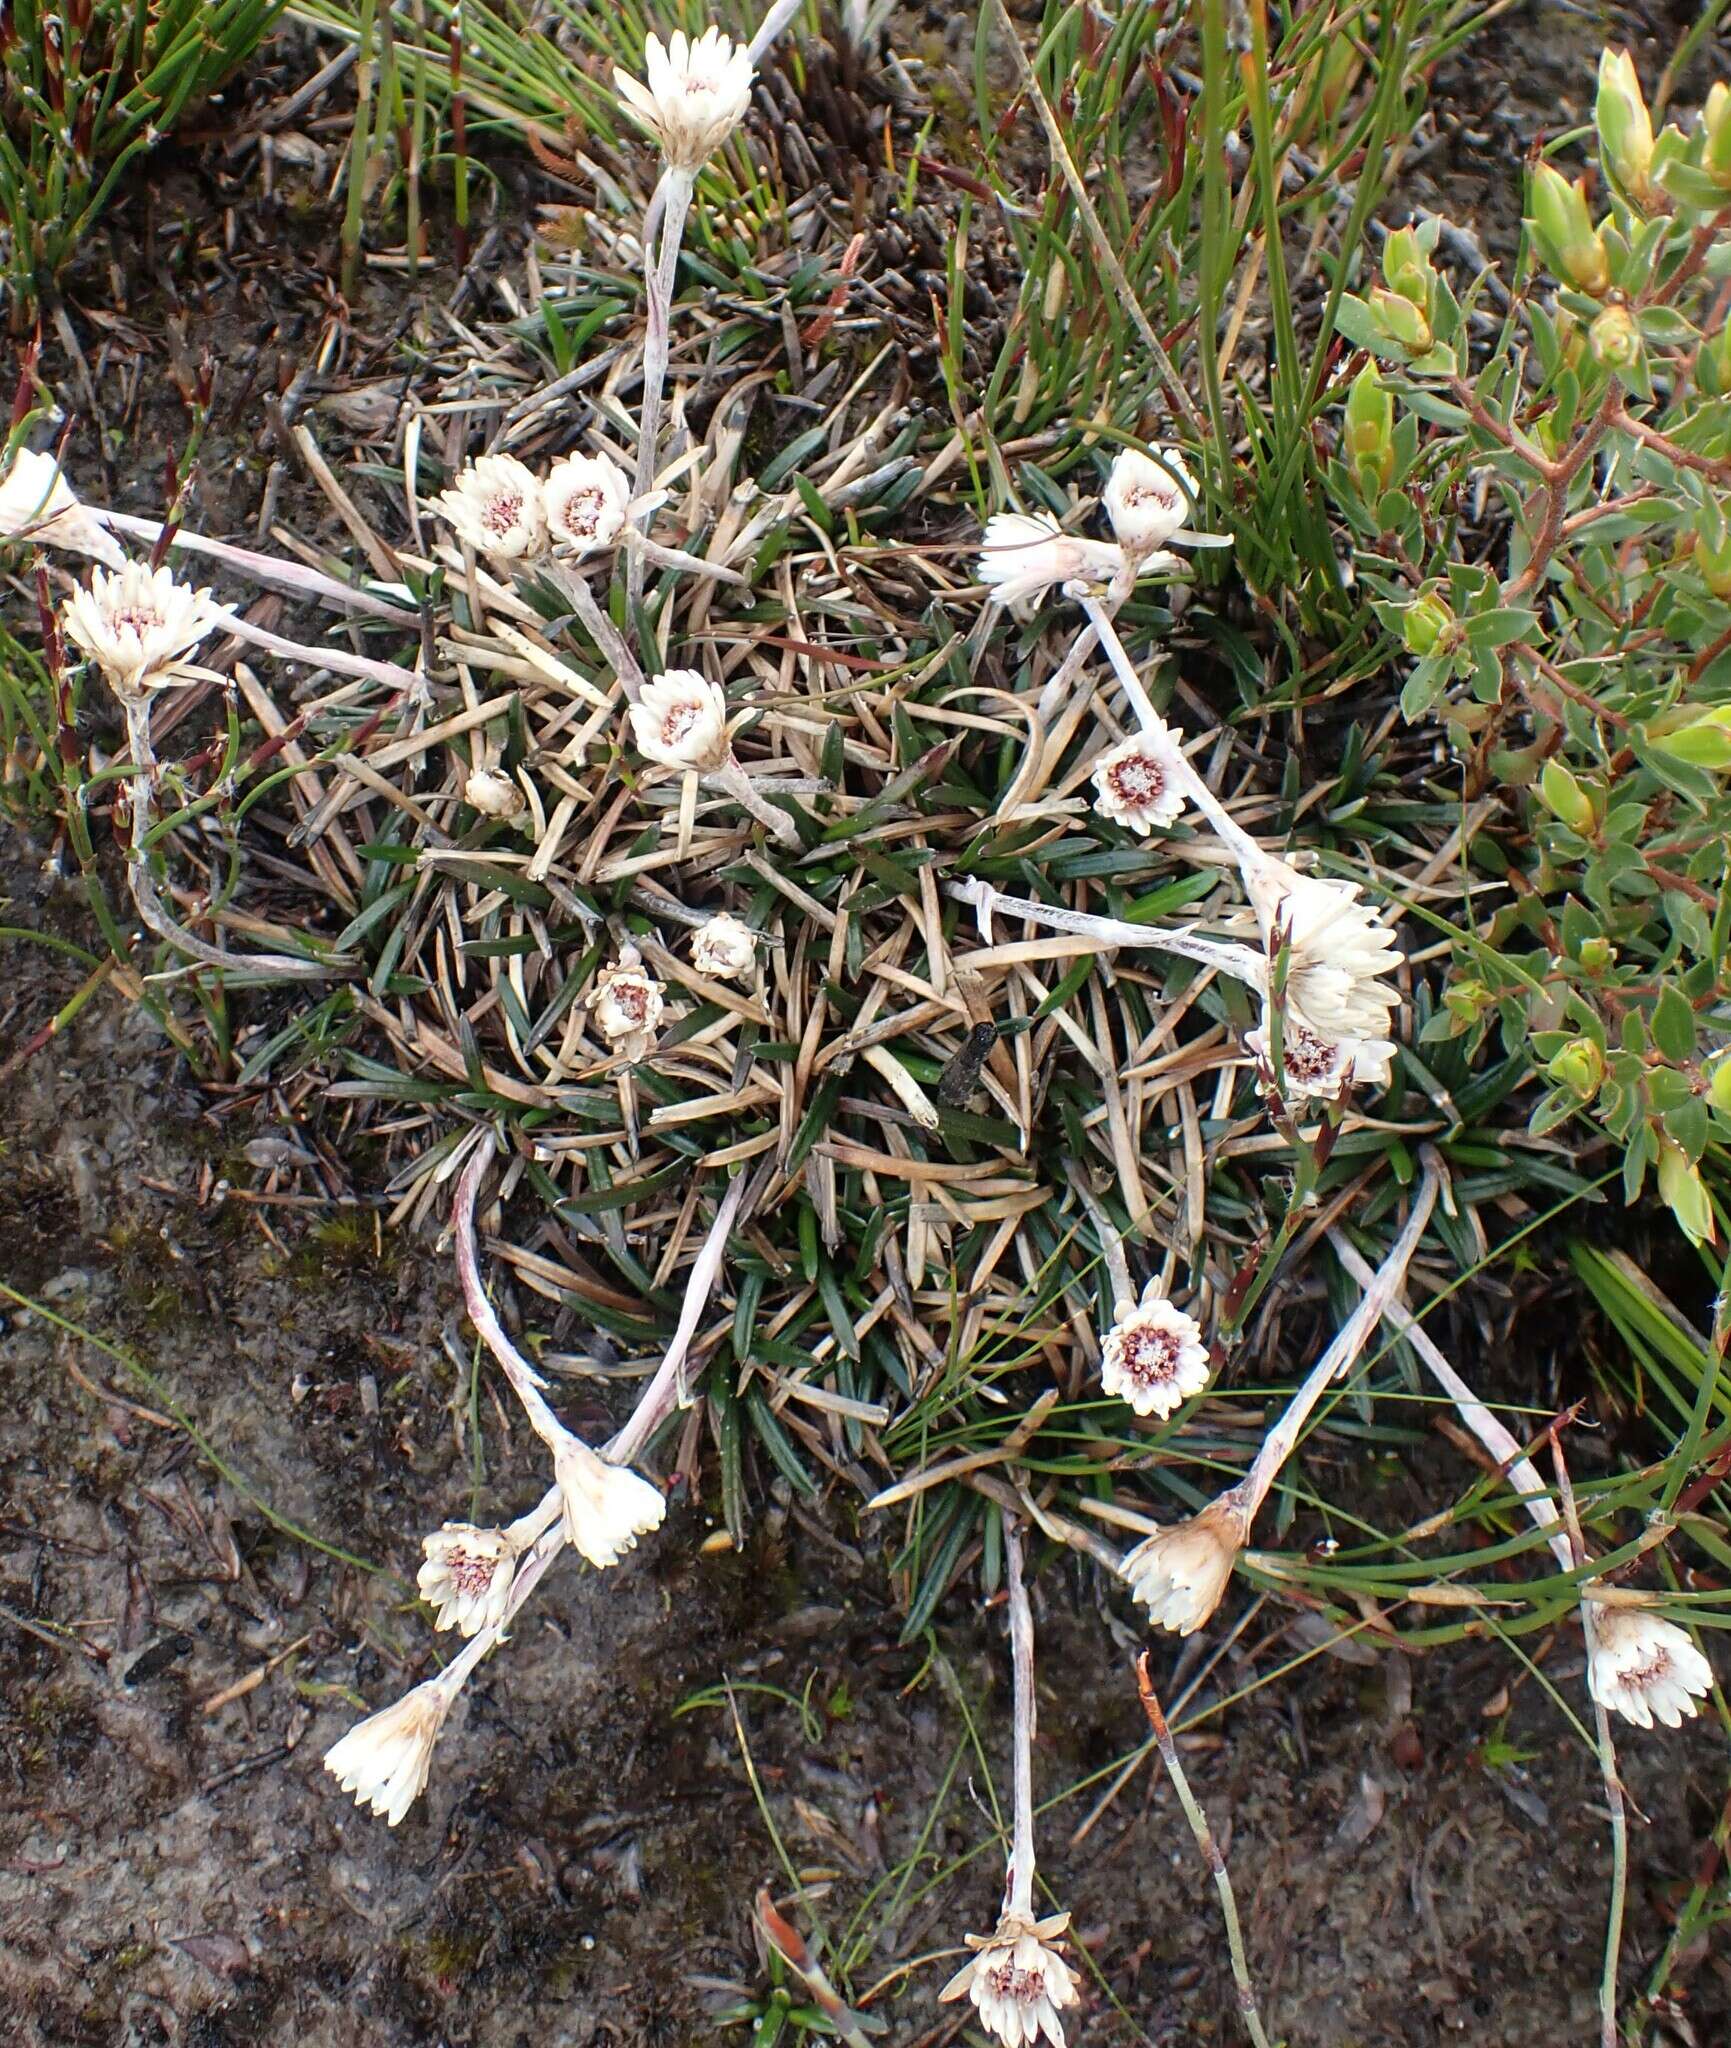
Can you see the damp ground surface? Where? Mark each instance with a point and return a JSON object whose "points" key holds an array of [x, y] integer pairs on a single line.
{"points": [[1419, 1846]]}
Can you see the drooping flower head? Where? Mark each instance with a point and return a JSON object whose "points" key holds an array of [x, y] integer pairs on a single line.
{"points": [[696, 95], [1140, 782], [724, 947], [1340, 949], [1018, 1981], [1153, 1356], [606, 1507], [627, 1004], [1024, 555], [1645, 1668], [37, 503], [680, 720], [1148, 502], [495, 505], [493, 793], [586, 499], [1318, 1067], [467, 1576], [137, 623], [1180, 1574], [385, 1760]]}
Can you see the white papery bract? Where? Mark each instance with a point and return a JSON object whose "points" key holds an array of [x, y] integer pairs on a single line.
{"points": [[1180, 1574], [606, 1507], [1645, 1668], [493, 793], [1340, 949], [137, 623], [724, 947], [466, 1576], [495, 505], [1018, 1981], [37, 503], [680, 720], [1025, 555], [385, 1760], [627, 1003], [1153, 1356], [695, 96], [586, 500], [1148, 502], [1140, 782]]}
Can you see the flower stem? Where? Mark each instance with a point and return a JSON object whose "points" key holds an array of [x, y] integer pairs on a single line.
{"points": [[526, 1382], [1210, 1848], [1019, 1880], [772, 25], [1241, 962], [1245, 850], [155, 913], [731, 777], [671, 203], [1252, 1489], [602, 631]]}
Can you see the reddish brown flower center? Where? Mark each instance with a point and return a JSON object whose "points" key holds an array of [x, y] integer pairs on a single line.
{"points": [[1023, 1986], [137, 618], [1151, 1357], [1308, 1059], [633, 1000], [679, 722], [1137, 781], [582, 510], [503, 512], [470, 1574]]}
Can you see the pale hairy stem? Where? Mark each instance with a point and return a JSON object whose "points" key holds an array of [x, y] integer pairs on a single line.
{"points": [[1052, 697], [269, 570], [660, 261], [1019, 1882], [732, 778], [1250, 856], [526, 1382], [1243, 963], [1111, 1244], [1519, 1469], [1252, 1490], [601, 629], [150, 906], [336, 658], [771, 26]]}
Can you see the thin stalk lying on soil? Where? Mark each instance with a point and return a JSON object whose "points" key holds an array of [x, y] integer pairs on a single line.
{"points": [[1210, 1848]]}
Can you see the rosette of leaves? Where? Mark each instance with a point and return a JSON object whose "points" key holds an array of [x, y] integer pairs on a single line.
{"points": [[85, 88], [1539, 484]]}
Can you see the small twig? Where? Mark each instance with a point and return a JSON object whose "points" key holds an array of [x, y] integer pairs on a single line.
{"points": [[1210, 1852]]}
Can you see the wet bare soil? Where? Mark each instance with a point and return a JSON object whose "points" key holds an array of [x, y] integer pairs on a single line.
{"points": [[1419, 1847]]}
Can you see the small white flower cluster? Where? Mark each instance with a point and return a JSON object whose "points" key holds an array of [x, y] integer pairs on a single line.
{"points": [[696, 94], [1337, 1004], [1018, 1981], [503, 510]]}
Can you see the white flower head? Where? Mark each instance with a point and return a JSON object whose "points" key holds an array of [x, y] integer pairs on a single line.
{"points": [[495, 505], [1018, 1981], [467, 1576], [493, 793], [1148, 501], [1645, 1668], [1024, 555], [385, 1760], [680, 720], [586, 500], [724, 947], [1180, 1575], [1140, 782], [696, 95], [607, 1507], [37, 503], [1153, 1355], [1340, 950], [627, 1004], [1323, 1068], [137, 624]]}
